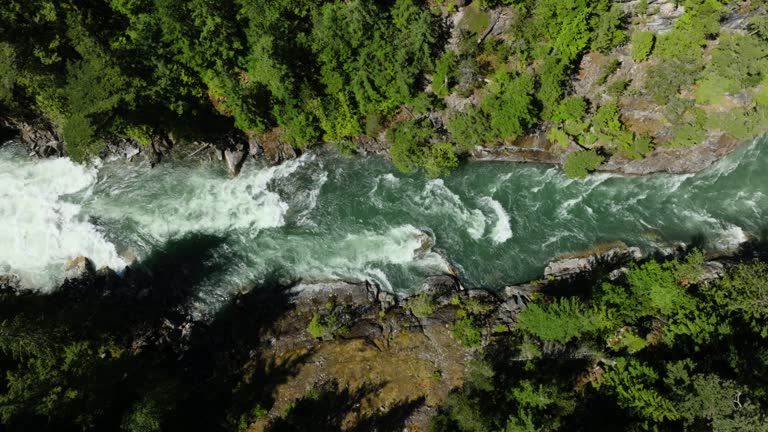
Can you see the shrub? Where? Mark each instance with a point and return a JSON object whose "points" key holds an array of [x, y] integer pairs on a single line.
{"points": [[561, 321], [467, 332], [445, 71], [326, 327], [468, 130], [687, 135], [571, 108], [617, 88], [406, 140], [558, 136], [579, 164], [439, 159], [642, 45], [609, 33], [511, 111], [610, 68], [422, 305]]}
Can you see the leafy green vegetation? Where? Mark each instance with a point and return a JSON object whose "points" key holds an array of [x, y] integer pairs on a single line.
{"points": [[642, 45], [422, 305], [579, 164], [684, 355], [560, 321], [467, 332], [305, 72]]}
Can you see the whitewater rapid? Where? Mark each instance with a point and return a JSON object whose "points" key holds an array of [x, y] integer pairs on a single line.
{"points": [[326, 216]]}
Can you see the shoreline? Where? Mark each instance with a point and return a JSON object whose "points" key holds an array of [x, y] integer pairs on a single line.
{"points": [[234, 149]]}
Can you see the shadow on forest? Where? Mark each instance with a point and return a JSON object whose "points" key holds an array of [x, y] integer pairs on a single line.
{"points": [[193, 366], [324, 410], [211, 375]]}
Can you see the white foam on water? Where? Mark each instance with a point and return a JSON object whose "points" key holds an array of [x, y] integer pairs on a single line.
{"points": [[311, 199], [730, 238], [210, 204], [437, 197], [39, 230], [501, 230]]}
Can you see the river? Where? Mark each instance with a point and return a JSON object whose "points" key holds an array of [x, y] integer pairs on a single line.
{"points": [[328, 216]]}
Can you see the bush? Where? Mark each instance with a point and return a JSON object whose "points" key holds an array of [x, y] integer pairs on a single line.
{"points": [[439, 159], [444, 76], [406, 140], [510, 112], [80, 139], [561, 321], [617, 88], [609, 69], [558, 136], [609, 33], [468, 130], [326, 327], [642, 45], [467, 332], [579, 164], [571, 108], [422, 305]]}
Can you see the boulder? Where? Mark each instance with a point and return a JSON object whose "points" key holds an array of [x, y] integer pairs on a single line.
{"points": [[79, 268], [313, 294], [569, 266], [234, 160], [121, 148], [711, 270], [440, 286], [41, 139]]}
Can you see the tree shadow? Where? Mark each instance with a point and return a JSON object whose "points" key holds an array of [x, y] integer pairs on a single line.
{"points": [[213, 369], [326, 407]]}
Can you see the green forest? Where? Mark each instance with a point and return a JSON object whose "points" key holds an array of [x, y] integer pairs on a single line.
{"points": [[662, 345], [674, 342], [653, 350], [324, 71]]}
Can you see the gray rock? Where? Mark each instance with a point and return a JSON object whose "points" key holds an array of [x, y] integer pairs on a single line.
{"points": [[711, 270], [234, 160], [254, 148], [121, 148], [312, 294], [571, 266], [79, 268], [440, 286]]}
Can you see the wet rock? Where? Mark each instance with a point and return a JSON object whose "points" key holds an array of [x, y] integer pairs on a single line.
{"points": [[711, 271], [254, 148], [579, 264], [79, 268], [440, 286], [10, 281], [234, 160], [121, 148], [308, 295], [40, 137], [682, 161], [160, 147]]}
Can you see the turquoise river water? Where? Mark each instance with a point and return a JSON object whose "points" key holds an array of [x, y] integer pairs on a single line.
{"points": [[327, 216]]}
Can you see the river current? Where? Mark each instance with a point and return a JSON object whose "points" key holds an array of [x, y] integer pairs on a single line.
{"points": [[327, 216]]}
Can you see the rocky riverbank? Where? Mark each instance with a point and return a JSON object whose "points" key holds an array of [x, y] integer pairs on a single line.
{"points": [[234, 149], [392, 350]]}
